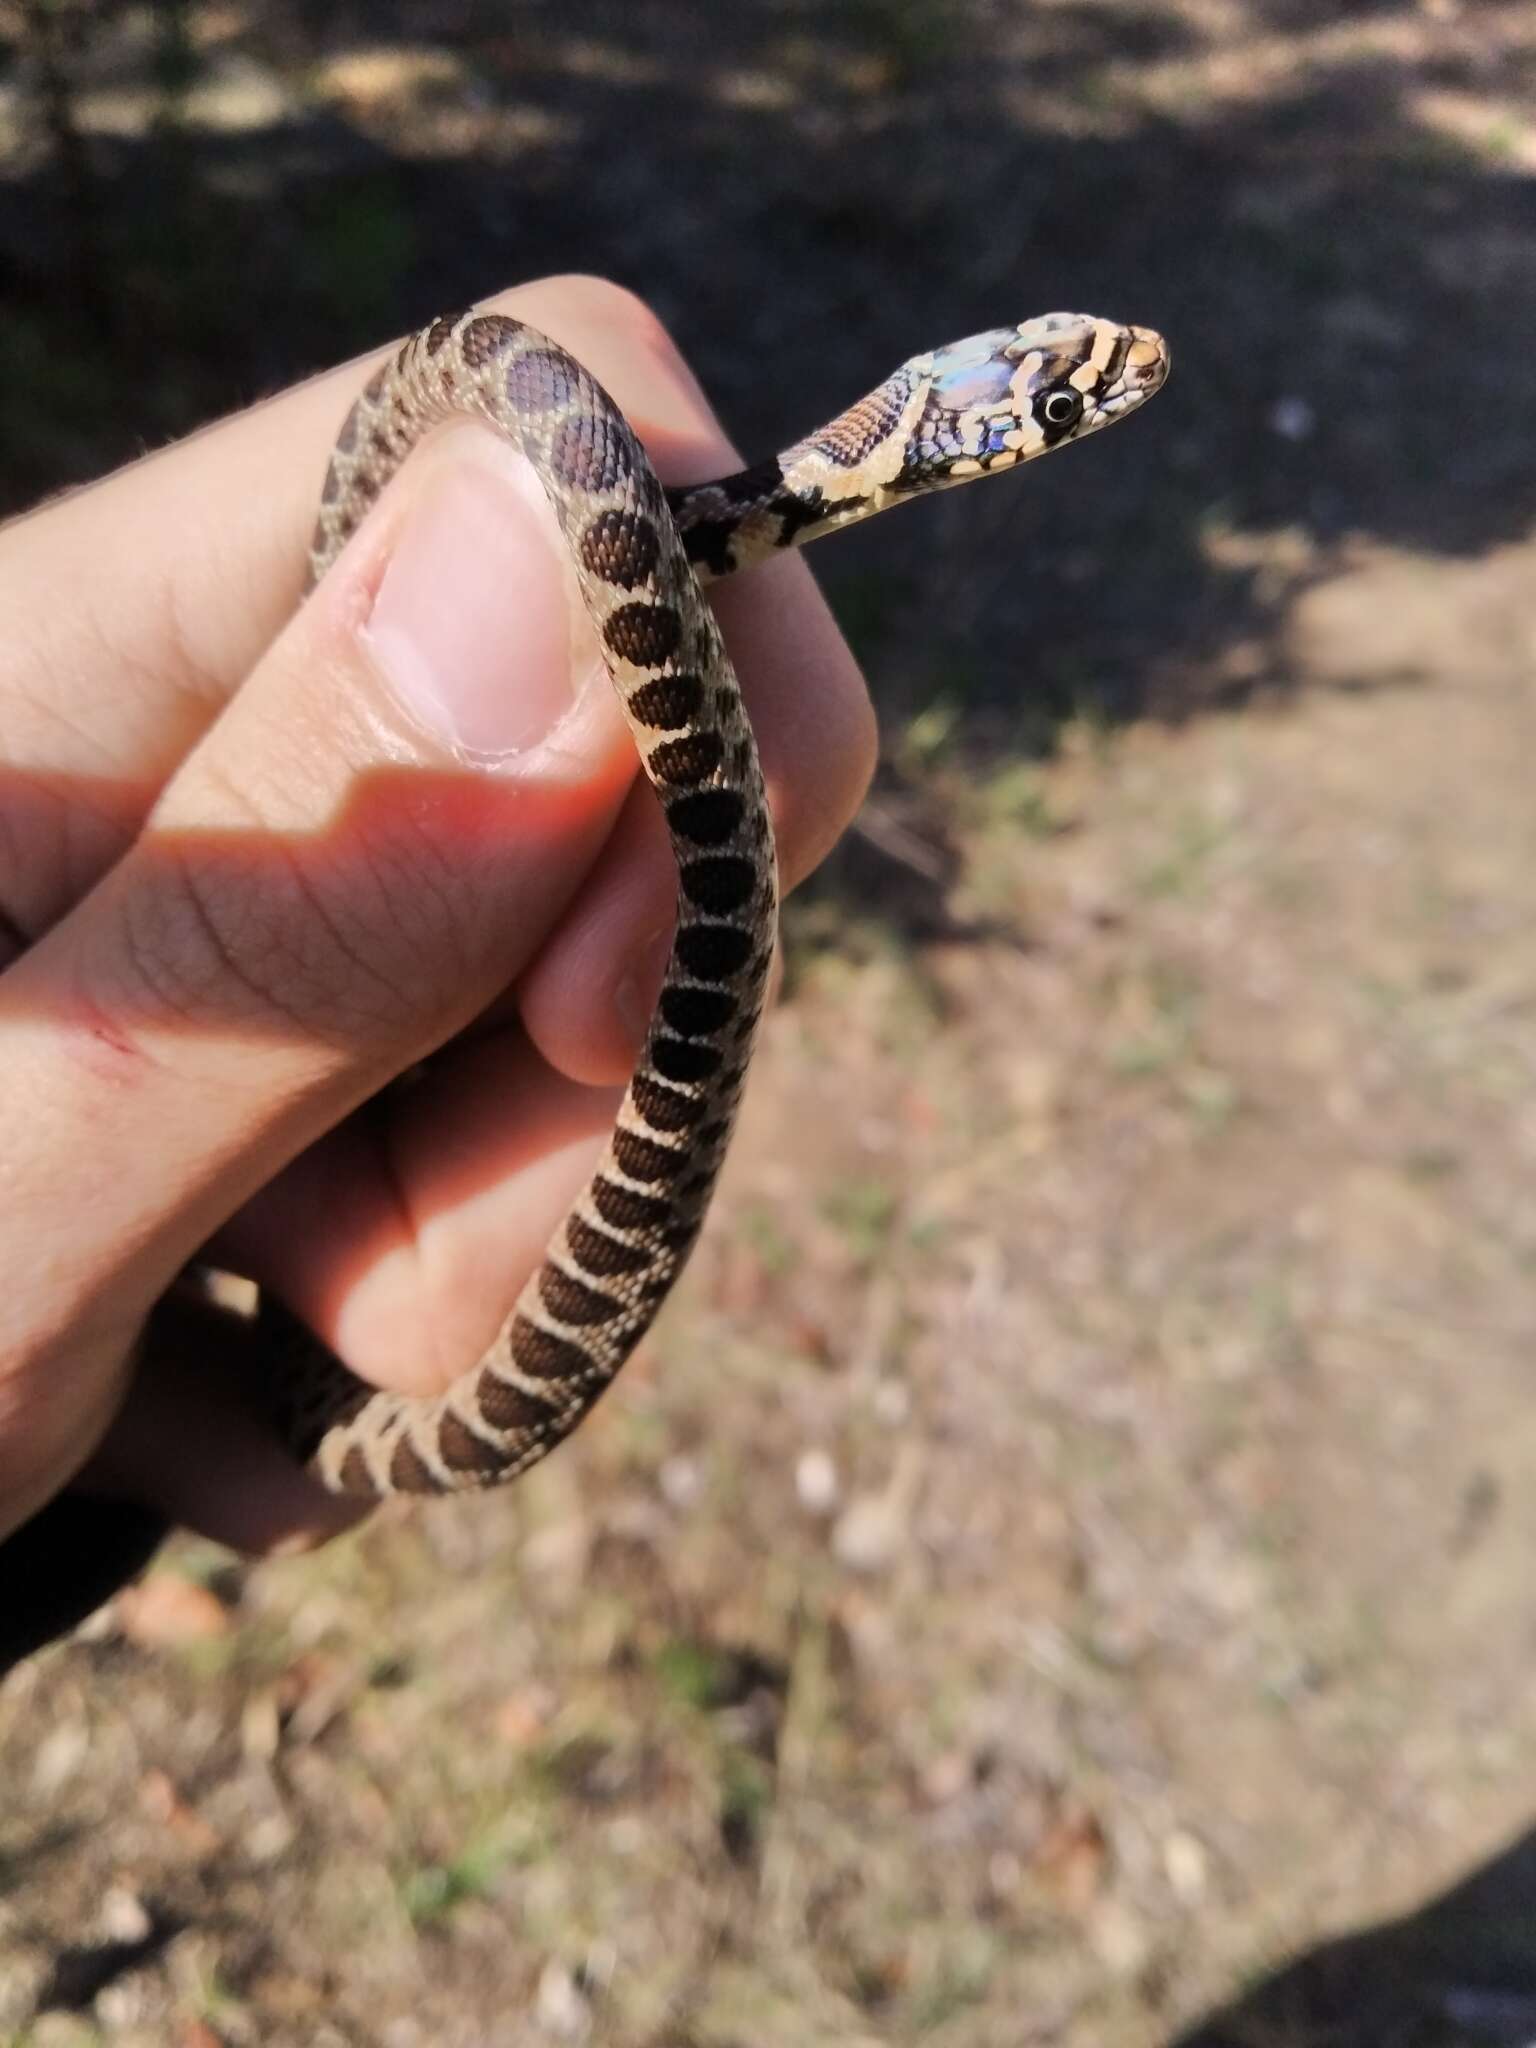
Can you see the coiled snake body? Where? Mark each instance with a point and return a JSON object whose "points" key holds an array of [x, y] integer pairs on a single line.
{"points": [[640, 553]]}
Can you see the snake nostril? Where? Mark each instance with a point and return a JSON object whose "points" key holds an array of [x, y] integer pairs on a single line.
{"points": [[1148, 358]]}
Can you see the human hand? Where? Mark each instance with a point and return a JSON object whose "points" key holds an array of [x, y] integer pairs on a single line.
{"points": [[257, 863]]}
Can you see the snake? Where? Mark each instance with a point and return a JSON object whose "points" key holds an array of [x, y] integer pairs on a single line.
{"points": [[642, 555]]}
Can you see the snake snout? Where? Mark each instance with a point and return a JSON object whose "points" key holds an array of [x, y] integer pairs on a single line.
{"points": [[1148, 360]]}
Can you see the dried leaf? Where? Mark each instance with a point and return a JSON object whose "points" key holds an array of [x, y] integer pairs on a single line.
{"points": [[166, 1610]]}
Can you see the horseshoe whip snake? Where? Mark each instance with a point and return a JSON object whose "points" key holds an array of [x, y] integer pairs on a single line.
{"points": [[641, 553]]}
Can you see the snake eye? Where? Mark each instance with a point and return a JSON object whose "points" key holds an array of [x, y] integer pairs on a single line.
{"points": [[1061, 409]]}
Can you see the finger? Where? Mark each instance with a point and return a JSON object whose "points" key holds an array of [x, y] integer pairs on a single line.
{"points": [[326, 890], [588, 997], [112, 677], [242, 1488], [402, 1237], [135, 609]]}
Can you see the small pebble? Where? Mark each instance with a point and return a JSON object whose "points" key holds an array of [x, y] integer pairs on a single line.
{"points": [[869, 1533], [560, 2003], [816, 1482], [893, 1403], [124, 1916], [681, 1481], [59, 1755], [1187, 1865]]}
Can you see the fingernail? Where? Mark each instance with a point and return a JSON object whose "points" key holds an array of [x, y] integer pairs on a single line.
{"points": [[477, 627]]}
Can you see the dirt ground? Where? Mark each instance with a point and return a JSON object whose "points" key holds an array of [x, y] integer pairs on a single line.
{"points": [[1060, 1573]]}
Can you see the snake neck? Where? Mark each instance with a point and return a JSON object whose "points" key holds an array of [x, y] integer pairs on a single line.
{"points": [[854, 466]]}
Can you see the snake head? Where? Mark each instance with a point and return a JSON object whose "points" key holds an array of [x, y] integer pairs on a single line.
{"points": [[978, 405], [1005, 396]]}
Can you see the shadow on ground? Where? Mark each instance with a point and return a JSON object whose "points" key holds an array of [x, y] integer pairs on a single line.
{"points": [[806, 199], [1460, 1971]]}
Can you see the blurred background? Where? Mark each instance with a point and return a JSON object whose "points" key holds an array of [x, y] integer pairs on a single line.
{"points": [[1062, 1571]]}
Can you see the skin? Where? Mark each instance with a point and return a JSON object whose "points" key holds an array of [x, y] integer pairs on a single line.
{"points": [[246, 886]]}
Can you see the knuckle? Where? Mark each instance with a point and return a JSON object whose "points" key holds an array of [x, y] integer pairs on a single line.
{"points": [[579, 303], [206, 943], [602, 301], [247, 929]]}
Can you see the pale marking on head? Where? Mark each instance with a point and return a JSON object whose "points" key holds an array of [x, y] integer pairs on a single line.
{"points": [[1105, 340], [1018, 384]]}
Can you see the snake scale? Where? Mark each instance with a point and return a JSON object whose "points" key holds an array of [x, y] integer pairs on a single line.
{"points": [[641, 554]]}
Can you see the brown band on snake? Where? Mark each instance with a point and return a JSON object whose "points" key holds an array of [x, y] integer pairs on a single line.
{"points": [[640, 555]]}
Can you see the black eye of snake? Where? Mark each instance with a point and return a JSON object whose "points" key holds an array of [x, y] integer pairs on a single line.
{"points": [[1061, 409]]}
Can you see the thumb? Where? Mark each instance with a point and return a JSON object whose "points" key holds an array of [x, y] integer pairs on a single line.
{"points": [[369, 844]]}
